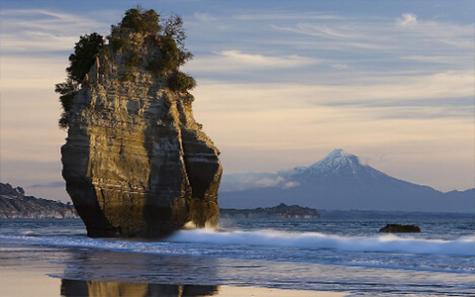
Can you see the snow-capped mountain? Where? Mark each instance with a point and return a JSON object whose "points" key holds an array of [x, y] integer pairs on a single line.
{"points": [[339, 181], [336, 163]]}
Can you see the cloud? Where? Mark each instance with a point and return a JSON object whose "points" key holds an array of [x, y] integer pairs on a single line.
{"points": [[266, 61], [35, 30], [407, 19], [340, 66], [235, 60], [204, 17], [32, 72], [437, 59], [253, 180], [381, 35], [286, 16], [321, 30], [265, 96]]}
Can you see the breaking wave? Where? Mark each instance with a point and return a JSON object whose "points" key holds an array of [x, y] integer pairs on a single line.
{"points": [[463, 246], [311, 240]]}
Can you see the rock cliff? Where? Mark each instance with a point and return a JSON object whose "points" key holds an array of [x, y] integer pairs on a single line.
{"points": [[14, 204], [136, 163]]}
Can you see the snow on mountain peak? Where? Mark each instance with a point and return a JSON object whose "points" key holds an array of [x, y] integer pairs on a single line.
{"points": [[336, 161], [338, 154], [337, 158]]}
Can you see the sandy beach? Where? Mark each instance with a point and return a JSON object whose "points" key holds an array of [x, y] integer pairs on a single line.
{"points": [[25, 282]]}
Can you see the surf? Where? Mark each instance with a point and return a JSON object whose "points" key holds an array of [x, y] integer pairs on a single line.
{"points": [[176, 244]]}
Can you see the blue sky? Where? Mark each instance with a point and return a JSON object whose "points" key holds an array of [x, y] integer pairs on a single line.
{"points": [[280, 83]]}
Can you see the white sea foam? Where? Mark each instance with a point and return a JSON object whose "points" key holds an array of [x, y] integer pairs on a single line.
{"points": [[312, 240], [464, 246]]}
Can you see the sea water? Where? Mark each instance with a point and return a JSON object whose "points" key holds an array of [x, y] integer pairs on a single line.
{"points": [[340, 251]]}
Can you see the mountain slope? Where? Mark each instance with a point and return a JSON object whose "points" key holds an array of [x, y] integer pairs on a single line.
{"points": [[340, 181]]}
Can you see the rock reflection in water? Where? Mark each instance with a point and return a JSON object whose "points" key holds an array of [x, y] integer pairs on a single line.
{"points": [[95, 288]]}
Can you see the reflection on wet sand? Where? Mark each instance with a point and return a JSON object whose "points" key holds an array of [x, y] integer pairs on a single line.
{"points": [[109, 275], [76, 288]]}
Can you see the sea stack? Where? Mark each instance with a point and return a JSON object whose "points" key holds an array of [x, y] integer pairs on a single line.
{"points": [[136, 163]]}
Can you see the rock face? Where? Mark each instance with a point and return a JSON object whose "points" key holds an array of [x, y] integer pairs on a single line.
{"points": [[14, 204], [397, 228], [136, 163]]}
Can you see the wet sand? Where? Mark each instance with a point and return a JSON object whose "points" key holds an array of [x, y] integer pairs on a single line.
{"points": [[24, 282]]}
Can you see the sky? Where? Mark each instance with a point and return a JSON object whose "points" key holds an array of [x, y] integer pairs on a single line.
{"points": [[280, 83]]}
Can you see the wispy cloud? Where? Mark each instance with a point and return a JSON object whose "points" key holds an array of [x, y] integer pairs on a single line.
{"points": [[204, 17], [236, 60], [266, 61], [322, 30], [286, 16], [37, 73], [407, 19], [384, 34], [265, 96], [34, 30]]}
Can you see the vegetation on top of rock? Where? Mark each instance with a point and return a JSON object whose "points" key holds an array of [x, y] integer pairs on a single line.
{"points": [[81, 61], [168, 39], [141, 21], [163, 61], [179, 81], [84, 55]]}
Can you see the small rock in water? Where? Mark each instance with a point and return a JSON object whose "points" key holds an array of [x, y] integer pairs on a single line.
{"points": [[398, 228]]}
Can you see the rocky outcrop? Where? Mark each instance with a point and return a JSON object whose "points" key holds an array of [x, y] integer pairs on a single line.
{"points": [[15, 205], [397, 228], [136, 163], [281, 211]]}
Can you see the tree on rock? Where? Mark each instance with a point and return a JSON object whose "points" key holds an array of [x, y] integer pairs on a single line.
{"points": [[80, 62], [167, 37]]}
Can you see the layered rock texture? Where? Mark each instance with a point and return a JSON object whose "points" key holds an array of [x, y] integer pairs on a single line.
{"points": [[14, 204], [136, 163]]}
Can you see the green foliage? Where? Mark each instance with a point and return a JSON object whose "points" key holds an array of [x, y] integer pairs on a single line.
{"points": [[85, 52], [169, 54], [67, 90], [117, 43], [169, 58], [174, 29], [133, 60], [81, 61], [138, 20], [180, 82]]}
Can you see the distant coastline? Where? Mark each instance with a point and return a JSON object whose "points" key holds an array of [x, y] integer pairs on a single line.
{"points": [[14, 204]]}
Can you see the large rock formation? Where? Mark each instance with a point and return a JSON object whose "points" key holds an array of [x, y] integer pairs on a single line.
{"points": [[136, 163]]}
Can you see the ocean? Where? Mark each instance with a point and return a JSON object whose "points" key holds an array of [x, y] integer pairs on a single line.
{"points": [[338, 252]]}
